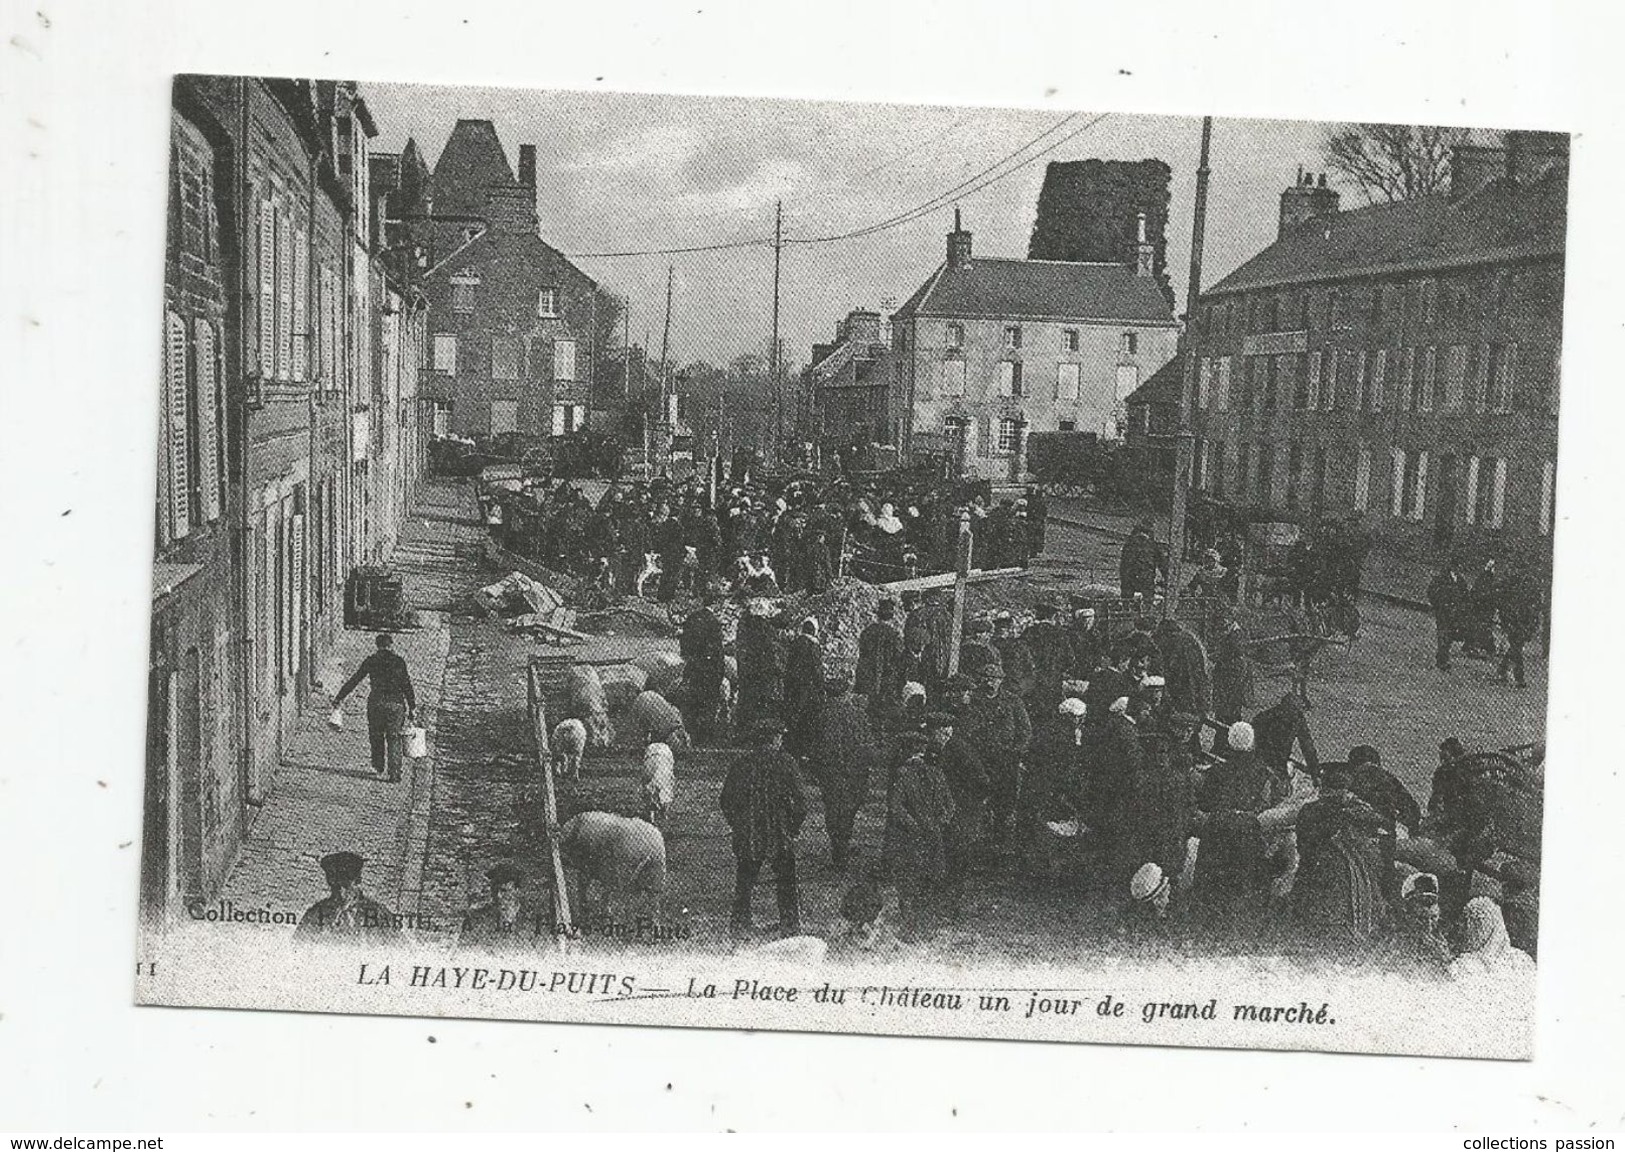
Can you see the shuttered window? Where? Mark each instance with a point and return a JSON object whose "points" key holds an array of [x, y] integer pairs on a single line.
{"points": [[1425, 379], [1362, 479], [1397, 506], [1067, 381], [266, 263], [1312, 391], [284, 297], [178, 488], [1221, 391], [296, 593], [210, 459], [1498, 493], [301, 307], [1470, 492], [564, 359], [1007, 378], [1379, 378], [1419, 486]]}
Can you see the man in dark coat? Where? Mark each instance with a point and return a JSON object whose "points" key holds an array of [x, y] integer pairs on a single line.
{"points": [[998, 727], [1088, 640], [666, 538], [761, 666], [1280, 728], [391, 702], [920, 816], [1232, 673], [635, 546], [1052, 784], [977, 648], [703, 670], [933, 622], [1240, 782], [348, 915], [880, 662], [1185, 667], [1159, 807], [501, 925], [762, 802], [1381, 789], [1520, 616], [1051, 653], [1020, 669], [967, 781], [1345, 868], [803, 689], [1108, 684], [1447, 595], [1137, 565], [842, 764]]}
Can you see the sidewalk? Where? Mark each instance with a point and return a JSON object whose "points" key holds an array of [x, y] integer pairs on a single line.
{"points": [[1391, 578], [326, 797]]}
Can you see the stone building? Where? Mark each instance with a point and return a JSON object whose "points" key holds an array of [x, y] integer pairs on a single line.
{"points": [[989, 349], [512, 323], [1400, 361], [848, 383], [270, 297]]}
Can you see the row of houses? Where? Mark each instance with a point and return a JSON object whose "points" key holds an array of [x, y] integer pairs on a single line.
{"points": [[1399, 361], [292, 436]]}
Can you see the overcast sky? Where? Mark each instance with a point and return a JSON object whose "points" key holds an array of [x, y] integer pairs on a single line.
{"points": [[620, 172]]}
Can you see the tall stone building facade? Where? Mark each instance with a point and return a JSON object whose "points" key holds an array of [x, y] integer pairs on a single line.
{"points": [[1399, 361], [512, 322]]}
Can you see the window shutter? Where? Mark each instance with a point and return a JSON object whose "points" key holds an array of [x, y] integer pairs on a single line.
{"points": [[1455, 377], [208, 422], [296, 590], [1420, 492], [180, 479], [1221, 398], [984, 434], [1430, 363], [1398, 505], [1470, 494], [1204, 382], [1379, 380], [1313, 402], [1362, 395], [301, 307], [1362, 479], [1007, 378], [284, 296], [267, 301], [1498, 494]]}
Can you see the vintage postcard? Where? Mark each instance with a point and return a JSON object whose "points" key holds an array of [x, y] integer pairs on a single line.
{"points": [[985, 572]]}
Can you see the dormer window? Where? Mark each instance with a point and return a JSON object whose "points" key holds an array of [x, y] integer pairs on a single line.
{"points": [[547, 302]]}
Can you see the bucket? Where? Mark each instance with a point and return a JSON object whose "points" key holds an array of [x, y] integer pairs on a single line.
{"points": [[417, 742]]}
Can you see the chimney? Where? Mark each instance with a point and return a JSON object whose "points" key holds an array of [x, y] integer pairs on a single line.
{"points": [[958, 245], [1304, 201], [1530, 154], [1144, 251], [510, 209], [527, 166], [1474, 165], [863, 326]]}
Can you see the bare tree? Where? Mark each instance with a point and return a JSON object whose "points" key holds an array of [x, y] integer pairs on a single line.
{"points": [[1392, 161]]}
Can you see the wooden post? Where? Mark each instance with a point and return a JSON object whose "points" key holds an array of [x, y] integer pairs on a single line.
{"points": [[550, 809], [1184, 445], [961, 574]]}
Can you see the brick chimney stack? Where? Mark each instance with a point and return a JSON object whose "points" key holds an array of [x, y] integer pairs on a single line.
{"points": [[527, 169], [1306, 200], [958, 245]]}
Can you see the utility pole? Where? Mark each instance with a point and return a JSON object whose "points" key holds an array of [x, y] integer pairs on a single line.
{"points": [[665, 369], [773, 352], [1184, 442]]}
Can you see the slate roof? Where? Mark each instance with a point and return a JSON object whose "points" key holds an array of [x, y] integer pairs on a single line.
{"points": [[471, 161], [1497, 223], [1002, 288], [1161, 387]]}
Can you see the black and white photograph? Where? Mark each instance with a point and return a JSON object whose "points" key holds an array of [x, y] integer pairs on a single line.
{"points": [[965, 571]]}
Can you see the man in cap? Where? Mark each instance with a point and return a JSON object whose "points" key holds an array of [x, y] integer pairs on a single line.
{"points": [[762, 802], [347, 915], [1448, 597], [999, 729], [842, 763], [1279, 730], [390, 704], [967, 781], [500, 924], [879, 676], [1020, 670], [929, 628], [1088, 640], [704, 669], [919, 817], [1449, 782], [1051, 652], [977, 648]]}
